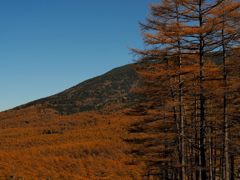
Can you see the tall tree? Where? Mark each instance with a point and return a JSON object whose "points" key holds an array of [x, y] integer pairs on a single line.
{"points": [[176, 75]]}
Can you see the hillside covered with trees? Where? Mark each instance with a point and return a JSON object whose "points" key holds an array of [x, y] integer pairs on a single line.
{"points": [[40, 144], [182, 122]]}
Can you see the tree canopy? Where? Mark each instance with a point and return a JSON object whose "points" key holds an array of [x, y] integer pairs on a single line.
{"points": [[190, 125]]}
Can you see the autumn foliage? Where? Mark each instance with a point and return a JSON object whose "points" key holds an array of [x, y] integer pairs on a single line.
{"points": [[190, 127], [187, 126], [38, 144]]}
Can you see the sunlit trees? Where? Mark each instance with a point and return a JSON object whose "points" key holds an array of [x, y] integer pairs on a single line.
{"points": [[187, 95], [81, 146]]}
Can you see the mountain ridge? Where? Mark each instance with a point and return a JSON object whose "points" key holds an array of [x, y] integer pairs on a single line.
{"points": [[112, 87]]}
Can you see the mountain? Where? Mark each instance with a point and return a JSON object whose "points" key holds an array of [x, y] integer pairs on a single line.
{"points": [[52, 138], [40, 144], [111, 88]]}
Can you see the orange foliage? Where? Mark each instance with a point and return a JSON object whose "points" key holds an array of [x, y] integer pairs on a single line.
{"points": [[41, 144]]}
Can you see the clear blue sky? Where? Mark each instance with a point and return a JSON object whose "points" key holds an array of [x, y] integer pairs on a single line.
{"points": [[47, 46]]}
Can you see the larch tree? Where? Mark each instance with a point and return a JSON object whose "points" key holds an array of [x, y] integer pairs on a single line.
{"points": [[180, 129]]}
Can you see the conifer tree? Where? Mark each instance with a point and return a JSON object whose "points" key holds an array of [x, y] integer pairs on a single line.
{"points": [[180, 87]]}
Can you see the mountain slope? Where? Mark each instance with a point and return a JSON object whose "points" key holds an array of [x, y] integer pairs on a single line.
{"points": [[41, 144], [113, 87]]}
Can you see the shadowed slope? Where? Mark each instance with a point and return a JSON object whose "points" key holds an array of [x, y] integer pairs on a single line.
{"points": [[112, 87]]}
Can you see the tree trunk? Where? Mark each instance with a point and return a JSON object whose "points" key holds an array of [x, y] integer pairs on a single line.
{"points": [[225, 126]]}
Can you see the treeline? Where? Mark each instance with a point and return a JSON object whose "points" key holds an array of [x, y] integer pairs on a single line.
{"points": [[190, 119]]}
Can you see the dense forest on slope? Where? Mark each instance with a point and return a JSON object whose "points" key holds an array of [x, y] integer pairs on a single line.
{"points": [[50, 139], [38, 144], [186, 127]]}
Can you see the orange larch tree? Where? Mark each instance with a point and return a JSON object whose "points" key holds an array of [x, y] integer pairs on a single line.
{"points": [[180, 84]]}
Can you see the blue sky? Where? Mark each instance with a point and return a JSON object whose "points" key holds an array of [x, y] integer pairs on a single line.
{"points": [[47, 46]]}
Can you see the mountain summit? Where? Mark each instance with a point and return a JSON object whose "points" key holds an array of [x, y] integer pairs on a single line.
{"points": [[113, 87]]}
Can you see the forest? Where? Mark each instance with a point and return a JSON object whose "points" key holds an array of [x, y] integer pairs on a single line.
{"points": [[39, 143], [185, 125], [192, 104]]}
